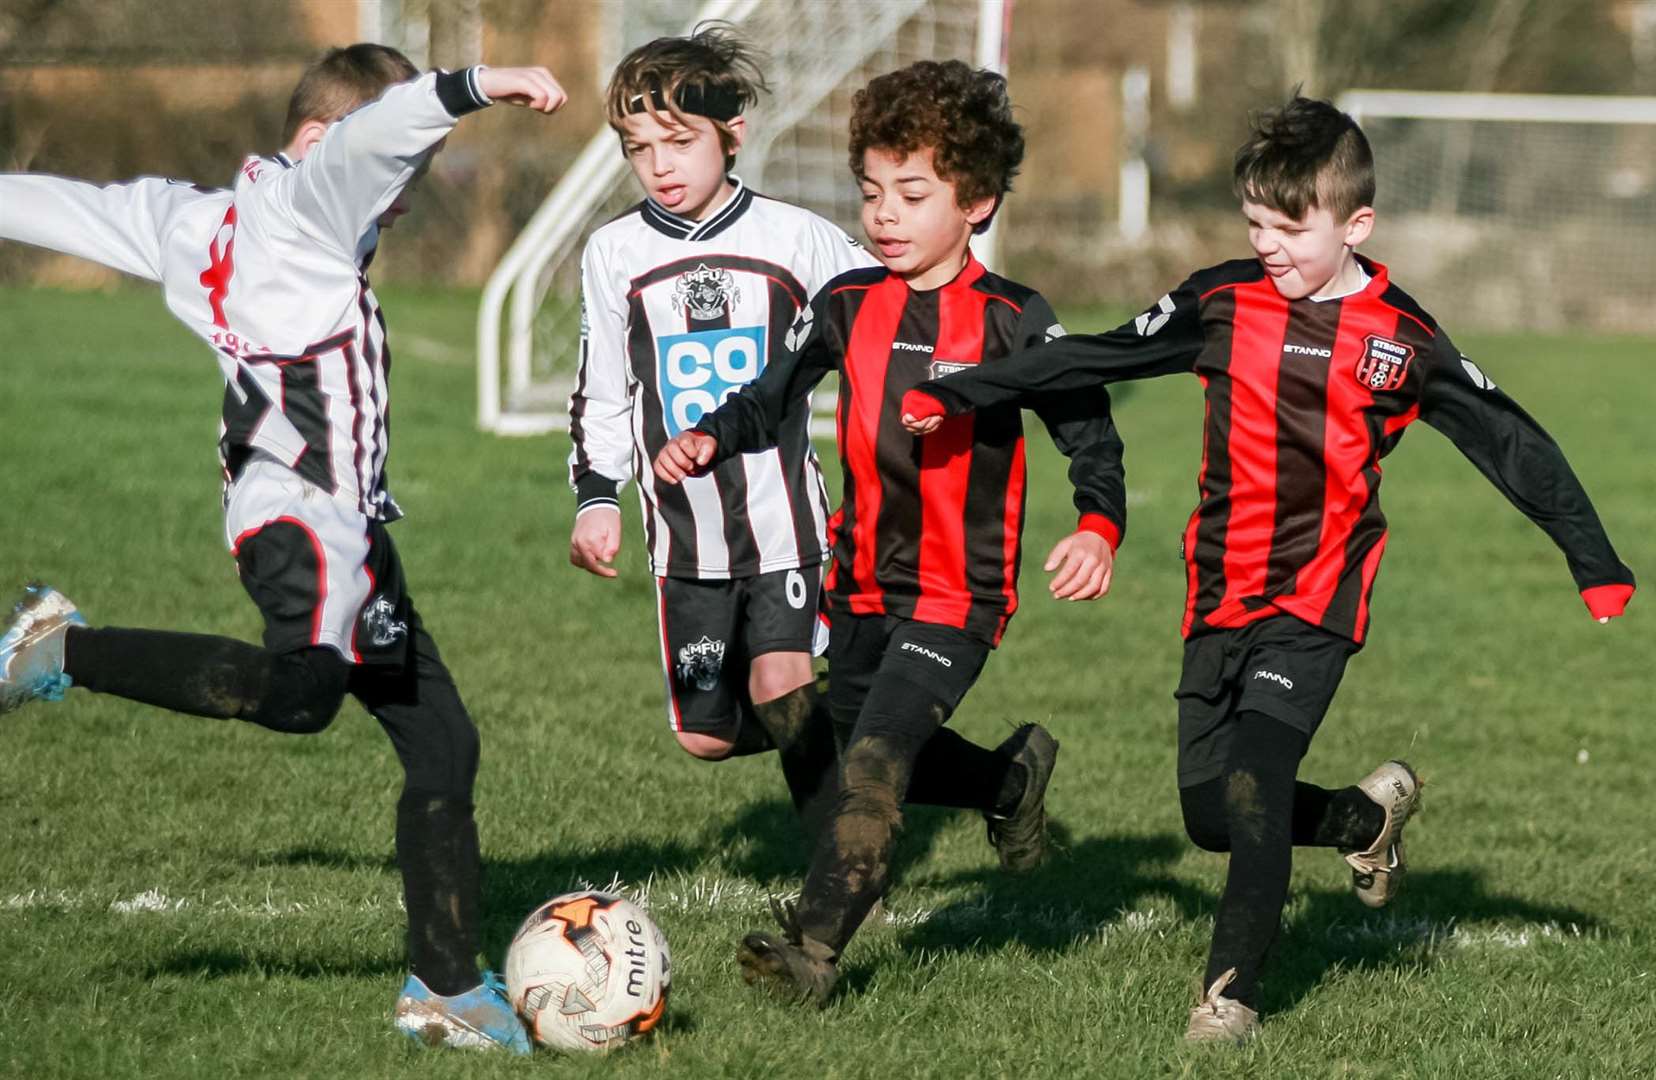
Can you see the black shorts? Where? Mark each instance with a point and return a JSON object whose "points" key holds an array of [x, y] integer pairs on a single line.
{"points": [[1279, 666], [317, 584], [941, 659], [711, 630]]}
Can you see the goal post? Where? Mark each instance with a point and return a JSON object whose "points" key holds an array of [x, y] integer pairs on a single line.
{"points": [[817, 53], [1517, 211]]}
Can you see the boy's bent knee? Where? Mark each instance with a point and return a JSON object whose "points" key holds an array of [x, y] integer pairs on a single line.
{"points": [[773, 674], [303, 692], [704, 746], [1204, 816]]}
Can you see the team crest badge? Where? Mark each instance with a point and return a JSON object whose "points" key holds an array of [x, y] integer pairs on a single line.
{"points": [[380, 621], [705, 292], [700, 662], [1384, 363], [940, 368]]}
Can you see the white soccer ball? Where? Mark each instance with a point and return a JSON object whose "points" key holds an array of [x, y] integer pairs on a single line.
{"points": [[588, 971]]}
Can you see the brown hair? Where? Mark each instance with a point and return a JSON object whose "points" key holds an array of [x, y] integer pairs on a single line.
{"points": [[1305, 155], [963, 116], [713, 65], [343, 79]]}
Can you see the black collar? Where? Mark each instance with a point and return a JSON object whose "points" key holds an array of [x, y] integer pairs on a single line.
{"points": [[667, 223]]}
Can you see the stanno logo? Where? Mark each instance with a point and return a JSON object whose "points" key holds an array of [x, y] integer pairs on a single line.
{"points": [[909, 646], [1306, 350], [1156, 318], [1271, 676], [800, 330], [910, 348]]}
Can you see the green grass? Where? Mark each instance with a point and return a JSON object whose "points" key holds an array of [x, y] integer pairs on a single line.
{"points": [[1523, 945]]}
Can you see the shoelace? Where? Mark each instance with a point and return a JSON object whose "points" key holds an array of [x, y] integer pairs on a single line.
{"points": [[786, 913]]}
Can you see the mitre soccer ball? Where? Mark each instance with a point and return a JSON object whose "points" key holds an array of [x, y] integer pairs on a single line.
{"points": [[588, 971]]}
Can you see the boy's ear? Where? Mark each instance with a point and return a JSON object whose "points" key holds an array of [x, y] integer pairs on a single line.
{"points": [[1359, 225], [305, 139], [978, 211], [737, 126]]}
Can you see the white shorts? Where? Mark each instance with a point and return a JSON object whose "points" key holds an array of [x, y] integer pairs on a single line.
{"points": [[321, 572]]}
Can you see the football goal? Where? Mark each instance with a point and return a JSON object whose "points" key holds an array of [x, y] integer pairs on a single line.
{"points": [[1517, 211]]}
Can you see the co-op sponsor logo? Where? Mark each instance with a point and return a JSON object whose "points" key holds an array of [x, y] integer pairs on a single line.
{"points": [[699, 370], [909, 646], [1270, 676]]}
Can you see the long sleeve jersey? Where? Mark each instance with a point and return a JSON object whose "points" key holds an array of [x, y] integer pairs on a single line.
{"points": [[930, 529], [677, 315], [1304, 398], [272, 274]]}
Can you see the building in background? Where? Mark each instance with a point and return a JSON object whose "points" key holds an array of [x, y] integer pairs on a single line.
{"points": [[1121, 99]]}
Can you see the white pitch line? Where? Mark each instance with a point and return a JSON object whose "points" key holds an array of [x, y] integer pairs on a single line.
{"points": [[682, 895]]}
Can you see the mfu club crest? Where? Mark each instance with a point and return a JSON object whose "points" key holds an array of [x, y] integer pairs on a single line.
{"points": [[705, 292], [1384, 363], [700, 662]]}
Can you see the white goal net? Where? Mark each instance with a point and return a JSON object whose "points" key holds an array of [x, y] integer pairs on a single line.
{"points": [[817, 53], [1524, 212]]}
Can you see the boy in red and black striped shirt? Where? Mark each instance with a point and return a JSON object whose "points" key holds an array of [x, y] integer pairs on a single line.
{"points": [[1312, 363], [928, 541]]}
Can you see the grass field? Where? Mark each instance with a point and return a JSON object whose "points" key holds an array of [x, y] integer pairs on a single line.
{"points": [[189, 898]]}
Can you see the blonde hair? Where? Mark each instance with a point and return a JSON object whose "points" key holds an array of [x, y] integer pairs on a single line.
{"points": [[344, 79]]}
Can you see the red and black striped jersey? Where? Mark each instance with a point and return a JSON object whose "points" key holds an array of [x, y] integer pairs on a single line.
{"points": [[1304, 398], [930, 529]]}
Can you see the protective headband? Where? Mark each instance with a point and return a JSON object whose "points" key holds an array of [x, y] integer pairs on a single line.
{"points": [[720, 103]]}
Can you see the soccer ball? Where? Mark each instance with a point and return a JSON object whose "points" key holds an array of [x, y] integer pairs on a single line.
{"points": [[588, 971]]}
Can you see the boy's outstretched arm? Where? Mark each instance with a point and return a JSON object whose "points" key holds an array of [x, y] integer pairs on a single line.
{"points": [[1165, 339], [118, 225], [1083, 562], [600, 419], [1526, 466], [349, 178], [750, 419]]}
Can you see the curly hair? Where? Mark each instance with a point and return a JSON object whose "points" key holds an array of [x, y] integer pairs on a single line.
{"points": [[964, 116], [713, 65], [1305, 155]]}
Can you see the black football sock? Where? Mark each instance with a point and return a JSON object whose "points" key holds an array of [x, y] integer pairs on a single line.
{"points": [[799, 724], [1344, 818], [954, 771], [438, 856], [1258, 791], [751, 735], [852, 863], [206, 675]]}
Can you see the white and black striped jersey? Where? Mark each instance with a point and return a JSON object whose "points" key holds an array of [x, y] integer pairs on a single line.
{"points": [[272, 273], [677, 315]]}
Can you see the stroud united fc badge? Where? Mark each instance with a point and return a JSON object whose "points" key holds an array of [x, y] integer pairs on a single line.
{"points": [[1384, 363]]}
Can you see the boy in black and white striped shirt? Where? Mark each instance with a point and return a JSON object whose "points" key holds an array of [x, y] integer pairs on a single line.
{"points": [[686, 297]]}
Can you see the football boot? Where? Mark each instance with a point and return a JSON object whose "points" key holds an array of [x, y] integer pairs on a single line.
{"points": [[1020, 838], [793, 967], [31, 647], [479, 1019], [1221, 1019], [1377, 871]]}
